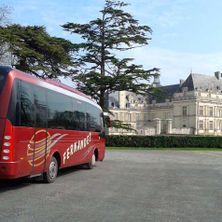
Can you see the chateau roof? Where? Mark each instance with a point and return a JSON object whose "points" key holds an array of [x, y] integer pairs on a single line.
{"points": [[166, 92], [202, 82], [169, 90], [193, 82]]}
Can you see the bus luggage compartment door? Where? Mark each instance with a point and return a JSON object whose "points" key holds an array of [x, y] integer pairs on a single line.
{"points": [[38, 151]]}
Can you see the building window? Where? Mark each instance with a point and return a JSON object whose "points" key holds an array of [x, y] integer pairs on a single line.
{"points": [[184, 111], [211, 125], [137, 117], [120, 116], [129, 117], [166, 115], [211, 111], [127, 105], [201, 124], [220, 127], [217, 124], [201, 109], [125, 117], [133, 117], [220, 112], [216, 113]]}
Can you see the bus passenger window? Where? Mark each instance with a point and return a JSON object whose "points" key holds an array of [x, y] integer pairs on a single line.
{"points": [[40, 107], [93, 119], [59, 111], [26, 105], [79, 116]]}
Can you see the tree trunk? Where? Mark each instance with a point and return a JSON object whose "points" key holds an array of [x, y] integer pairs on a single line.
{"points": [[102, 98]]}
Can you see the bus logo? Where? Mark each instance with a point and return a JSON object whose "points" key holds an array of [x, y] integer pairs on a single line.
{"points": [[77, 146]]}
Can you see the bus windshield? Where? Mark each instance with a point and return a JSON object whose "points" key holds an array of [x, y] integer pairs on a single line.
{"points": [[2, 82], [4, 70]]}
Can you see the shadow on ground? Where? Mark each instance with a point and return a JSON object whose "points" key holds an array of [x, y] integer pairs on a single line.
{"points": [[13, 184]]}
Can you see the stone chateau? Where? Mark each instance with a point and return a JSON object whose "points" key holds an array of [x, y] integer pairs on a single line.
{"points": [[193, 106]]}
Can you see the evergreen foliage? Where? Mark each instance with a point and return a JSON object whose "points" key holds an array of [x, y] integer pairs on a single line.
{"points": [[100, 70], [36, 52]]}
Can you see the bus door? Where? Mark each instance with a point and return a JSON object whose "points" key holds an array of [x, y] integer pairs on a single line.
{"points": [[38, 151], [25, 132], [41, 136], [33, 132]]}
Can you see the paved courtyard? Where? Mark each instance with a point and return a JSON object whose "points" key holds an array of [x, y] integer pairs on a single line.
{"points": [[161, 186]]}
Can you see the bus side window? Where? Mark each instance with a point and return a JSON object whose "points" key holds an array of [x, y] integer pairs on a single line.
{"points": [[79, 115], [59, 110], [26, 105], [40, 107], [93, 119]]}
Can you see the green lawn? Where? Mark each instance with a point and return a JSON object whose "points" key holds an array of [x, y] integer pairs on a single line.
{"points": [[166, 149]]}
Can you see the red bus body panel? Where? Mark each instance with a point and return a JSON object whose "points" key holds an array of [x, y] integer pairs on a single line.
{"points": [[73, 148], [33, 148]]}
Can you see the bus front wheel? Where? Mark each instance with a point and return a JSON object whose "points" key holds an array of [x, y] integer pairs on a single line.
{"points": [[50, 175]]}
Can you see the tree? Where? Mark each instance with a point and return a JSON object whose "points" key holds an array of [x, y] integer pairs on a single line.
{"points": [[100, 70], [36, 52], [4, 13]]}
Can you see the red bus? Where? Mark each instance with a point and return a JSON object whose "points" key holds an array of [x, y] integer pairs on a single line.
{"points": [[46, 126]]}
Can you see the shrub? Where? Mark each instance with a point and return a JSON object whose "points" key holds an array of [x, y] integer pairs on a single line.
{"points": [[164, 141]]}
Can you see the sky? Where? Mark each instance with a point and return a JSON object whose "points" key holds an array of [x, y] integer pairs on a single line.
{"points": [[186, 37]]}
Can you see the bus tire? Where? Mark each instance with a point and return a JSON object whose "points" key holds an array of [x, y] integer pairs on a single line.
{"points": [[50, 175], [92, 162]]}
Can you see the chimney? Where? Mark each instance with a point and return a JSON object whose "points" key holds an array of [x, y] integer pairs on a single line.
{"points": [[156, 81], [218, 75]]}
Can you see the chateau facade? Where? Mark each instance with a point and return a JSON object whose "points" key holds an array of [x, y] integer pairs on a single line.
{"points": [[193, 106]]}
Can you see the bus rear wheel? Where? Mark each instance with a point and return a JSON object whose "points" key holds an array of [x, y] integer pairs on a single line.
{"points": [[92, 162], [50, 175]]}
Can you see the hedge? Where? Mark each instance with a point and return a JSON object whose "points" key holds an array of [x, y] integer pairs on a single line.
{"points": [[164, 141]]}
